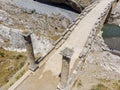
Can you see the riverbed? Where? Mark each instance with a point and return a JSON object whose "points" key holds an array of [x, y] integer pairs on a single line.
{"points": [[43, 8]]}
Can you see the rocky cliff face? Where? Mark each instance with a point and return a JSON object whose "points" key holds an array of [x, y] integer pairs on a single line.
{"points": [[77, 5], [46, 29], [115, 14], [101, 70]]}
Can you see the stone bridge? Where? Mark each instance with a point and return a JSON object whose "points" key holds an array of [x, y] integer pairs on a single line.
{"points": [[78, 39]]}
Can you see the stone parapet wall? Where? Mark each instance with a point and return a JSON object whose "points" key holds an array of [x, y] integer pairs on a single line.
{"points": [[72, 26], [87, 47]]}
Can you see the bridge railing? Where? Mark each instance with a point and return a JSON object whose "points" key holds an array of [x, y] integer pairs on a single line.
{"points": [[72, 26], [87, 47]]}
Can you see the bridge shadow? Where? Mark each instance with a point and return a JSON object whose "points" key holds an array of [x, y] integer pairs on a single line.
{"points": [[38, 60], [60, 5]]}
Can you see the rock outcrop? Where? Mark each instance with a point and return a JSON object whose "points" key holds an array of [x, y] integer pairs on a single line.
{"points": [[77, 5], [14, 20], [100, 67], [115, 15]]}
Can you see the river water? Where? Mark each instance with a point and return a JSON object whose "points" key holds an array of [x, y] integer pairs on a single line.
{"points": [[111, 35], [45, 8], [111, 30]]}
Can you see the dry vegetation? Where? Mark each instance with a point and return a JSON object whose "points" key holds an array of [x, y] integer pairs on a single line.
{"points": [[115, 85], [13, 17], [10, 63], [100, 87]]}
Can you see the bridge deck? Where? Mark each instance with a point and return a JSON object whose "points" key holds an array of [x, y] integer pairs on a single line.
{"points": [[48, 80]]}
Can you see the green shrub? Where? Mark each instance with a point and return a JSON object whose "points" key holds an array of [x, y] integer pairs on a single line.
{"points": [[33, 11], [2, 54], [19, 56]]}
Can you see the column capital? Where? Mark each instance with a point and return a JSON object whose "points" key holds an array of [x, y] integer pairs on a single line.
{"points": [[67, 52], [26, 33]]}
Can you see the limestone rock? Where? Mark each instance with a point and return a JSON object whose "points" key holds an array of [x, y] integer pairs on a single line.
{"points": [[103, 58], [77, 5], [115, 14], [45, 28]]}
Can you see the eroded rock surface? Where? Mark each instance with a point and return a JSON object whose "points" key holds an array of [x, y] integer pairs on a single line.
{"points": [[77, 5], [115, 14], [101, 69], [46, 29]]}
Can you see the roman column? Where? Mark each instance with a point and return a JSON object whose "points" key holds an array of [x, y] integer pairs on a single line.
{"points": [[66, 57], [30, 53]]}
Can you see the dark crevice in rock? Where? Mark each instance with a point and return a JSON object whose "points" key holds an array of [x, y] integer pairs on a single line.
{"points": [[65, 4]]}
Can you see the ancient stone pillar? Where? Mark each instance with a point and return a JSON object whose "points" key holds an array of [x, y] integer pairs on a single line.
{"points": [[66, 57], [28, 43]]}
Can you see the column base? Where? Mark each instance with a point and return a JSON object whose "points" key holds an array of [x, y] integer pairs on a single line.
{"points": [[60, 87], [33, 67]]}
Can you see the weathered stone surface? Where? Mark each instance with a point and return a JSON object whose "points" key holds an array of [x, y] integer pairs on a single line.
{"points": [[115, 14], [67, 52], [77, 5], [14, 20], [30, 51], [66, 57]]}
